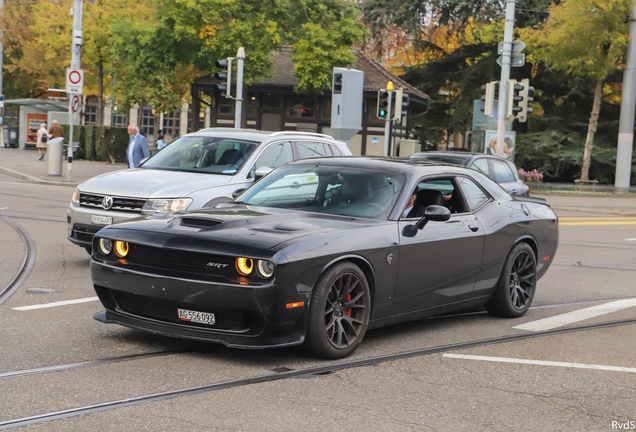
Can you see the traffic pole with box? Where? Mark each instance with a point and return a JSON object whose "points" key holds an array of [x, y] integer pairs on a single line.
{"points": [[388, 121], [74, 77], [238, 109]]}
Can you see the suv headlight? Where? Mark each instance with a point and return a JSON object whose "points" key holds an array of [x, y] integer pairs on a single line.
{"points": [[165, 205], [75, 198]]}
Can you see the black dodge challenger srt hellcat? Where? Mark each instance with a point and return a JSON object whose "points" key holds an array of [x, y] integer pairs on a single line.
{"points": [[321, 250]]}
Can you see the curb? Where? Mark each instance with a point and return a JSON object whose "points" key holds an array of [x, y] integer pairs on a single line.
{"points": [[35, 180], [627, 212]]}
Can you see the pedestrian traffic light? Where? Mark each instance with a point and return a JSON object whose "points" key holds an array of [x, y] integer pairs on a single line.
{"points": [[383, 104], [488, 98], [514, 99], [401, 104], [225, 76], [525, 98]]}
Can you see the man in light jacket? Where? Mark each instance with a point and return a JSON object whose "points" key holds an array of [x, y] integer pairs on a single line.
{"points": [[137, 148]]}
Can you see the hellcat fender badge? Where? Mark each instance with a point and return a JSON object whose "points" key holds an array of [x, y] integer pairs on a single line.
{"points": [[389, 258]]}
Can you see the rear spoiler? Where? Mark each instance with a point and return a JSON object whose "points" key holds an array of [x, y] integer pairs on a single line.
{"points": [[532, 199]]}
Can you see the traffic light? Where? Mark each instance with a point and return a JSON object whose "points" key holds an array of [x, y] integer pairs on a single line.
{"points": [[525, 98], [401, 104], [225, 76], [383, 104], [514, 98], [489, 98]]}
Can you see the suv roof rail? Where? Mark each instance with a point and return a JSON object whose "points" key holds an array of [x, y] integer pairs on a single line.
{"points": [[303, 133], [228, 129]]}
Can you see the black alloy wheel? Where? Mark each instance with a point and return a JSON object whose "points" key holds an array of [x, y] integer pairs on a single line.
{"points": [[339, 312], [522, 280], [517, 284]]}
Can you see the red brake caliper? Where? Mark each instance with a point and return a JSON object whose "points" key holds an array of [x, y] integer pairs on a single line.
{"points": [[348, 311]]}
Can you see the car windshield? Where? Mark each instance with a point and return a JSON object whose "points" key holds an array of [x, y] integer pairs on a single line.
{"points": [[456, 160], [213, 155], [333, 190]]}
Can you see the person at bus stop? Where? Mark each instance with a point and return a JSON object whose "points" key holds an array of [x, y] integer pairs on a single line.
{"points": [[42, 138], [56, 130], [137, 147]]}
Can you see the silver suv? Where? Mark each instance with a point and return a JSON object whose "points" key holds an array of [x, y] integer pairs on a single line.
{"points": [[196, 171]]}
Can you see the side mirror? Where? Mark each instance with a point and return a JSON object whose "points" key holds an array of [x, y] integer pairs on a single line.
{"points": [[237, 192], [433, 213], [262, 172]]}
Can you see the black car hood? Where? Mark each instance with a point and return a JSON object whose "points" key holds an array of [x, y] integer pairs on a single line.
{"points": [[232, 224]]}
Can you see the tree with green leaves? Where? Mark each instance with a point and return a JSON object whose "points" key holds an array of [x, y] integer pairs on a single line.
{"points": [[586, 38]]}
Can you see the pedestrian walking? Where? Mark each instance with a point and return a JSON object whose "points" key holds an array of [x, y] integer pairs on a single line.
{"points": [[56, 130], [42, 138], [137, 147]]}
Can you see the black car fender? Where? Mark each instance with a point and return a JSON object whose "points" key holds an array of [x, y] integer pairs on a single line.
{"points": [[365, 266]]}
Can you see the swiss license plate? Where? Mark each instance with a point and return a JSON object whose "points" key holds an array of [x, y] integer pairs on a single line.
{"points": [[101, 220], [196, 317]]}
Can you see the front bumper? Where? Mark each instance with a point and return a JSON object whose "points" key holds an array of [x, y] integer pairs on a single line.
{"points": [[246, 316], [81, 230]]}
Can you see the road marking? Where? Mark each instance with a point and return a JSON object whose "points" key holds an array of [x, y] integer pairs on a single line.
{"points": [[60, 303], [632, 239], [598, 218], [576, 316], [598, 223], [541, 362]]}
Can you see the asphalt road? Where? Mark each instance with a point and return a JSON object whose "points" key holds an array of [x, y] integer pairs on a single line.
{"points": [[595, 264]]}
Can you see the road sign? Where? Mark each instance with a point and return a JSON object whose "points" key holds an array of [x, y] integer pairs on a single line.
{"points": [[375, 140], [517, 60], [74, 81], [517, 47], [75, 103], [58, 94]]}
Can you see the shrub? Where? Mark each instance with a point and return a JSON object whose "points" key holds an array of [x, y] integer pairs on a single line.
{"points": [[530, 176]]}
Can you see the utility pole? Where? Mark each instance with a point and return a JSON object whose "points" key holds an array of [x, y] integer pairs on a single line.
{"points": [[2, 144], [628, 103], [238, 109], [505, 76], [388, 121], [76, 11]]}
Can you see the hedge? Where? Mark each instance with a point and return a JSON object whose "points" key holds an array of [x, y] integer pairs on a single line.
{"points": [[99, 143]]}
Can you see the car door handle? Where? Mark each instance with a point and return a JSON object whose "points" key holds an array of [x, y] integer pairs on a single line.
{"points": [[473, 227]]}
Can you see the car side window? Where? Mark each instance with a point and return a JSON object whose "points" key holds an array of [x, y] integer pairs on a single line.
{"points": [[336, 151], [440, 192], [273, 156], [309, 149], [473, 193], [502, 172], [481, 165]]}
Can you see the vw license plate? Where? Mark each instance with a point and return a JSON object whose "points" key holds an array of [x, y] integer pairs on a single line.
{"points": [[197, 317], [101, 220]]}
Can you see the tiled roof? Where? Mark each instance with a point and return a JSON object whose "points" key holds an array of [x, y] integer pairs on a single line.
{"points": [[375, 76]]}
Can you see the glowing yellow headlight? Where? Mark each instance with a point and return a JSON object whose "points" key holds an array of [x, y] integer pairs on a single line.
{"points": [[121, 249], [244, 266]]}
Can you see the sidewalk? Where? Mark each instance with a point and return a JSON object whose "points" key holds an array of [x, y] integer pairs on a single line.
{"points": [[24, 164]]}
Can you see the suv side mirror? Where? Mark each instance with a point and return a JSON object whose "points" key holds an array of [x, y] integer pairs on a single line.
{"points": [[433, 213], [262, 172]]}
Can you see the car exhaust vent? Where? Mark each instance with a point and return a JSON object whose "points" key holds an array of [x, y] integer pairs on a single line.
{"points": [[199, 223]]}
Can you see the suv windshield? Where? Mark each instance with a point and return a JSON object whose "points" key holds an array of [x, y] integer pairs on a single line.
{"points": [[455, 160], [328, 189], [214, 155]]}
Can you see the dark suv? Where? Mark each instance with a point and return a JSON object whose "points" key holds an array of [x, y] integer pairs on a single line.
{"points": [[500, 170]]}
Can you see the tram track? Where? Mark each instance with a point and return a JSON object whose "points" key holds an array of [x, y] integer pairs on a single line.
{"points": [[27, 263], [301, 373]]}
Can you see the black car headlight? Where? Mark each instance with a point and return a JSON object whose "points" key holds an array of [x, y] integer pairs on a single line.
{"points": [[165, 205], [265, 268], [105, 246]]}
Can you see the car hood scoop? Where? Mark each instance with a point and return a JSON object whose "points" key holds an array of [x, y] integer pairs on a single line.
{"points": [[194, 222], [288, 227]]}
